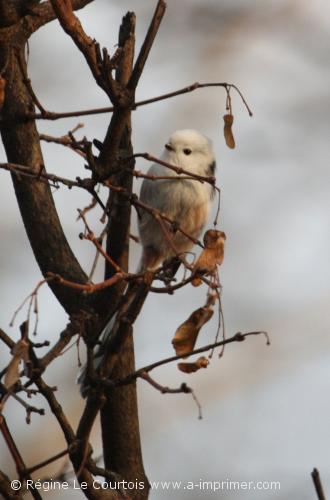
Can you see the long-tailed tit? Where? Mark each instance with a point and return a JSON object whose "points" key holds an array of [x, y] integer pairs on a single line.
{"points": [[184, 201]]}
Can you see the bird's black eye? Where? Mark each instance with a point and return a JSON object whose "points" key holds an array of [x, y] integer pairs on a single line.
{"points": [[187, 151]]}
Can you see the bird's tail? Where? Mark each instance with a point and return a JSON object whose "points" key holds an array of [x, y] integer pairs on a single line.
{"points": [[105, 337]]}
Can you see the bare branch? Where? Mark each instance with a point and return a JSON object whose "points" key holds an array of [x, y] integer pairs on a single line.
{"points": [[7, 490], [167, 390], [50, 460], [6, 339], [50, 115], [42, 176], [20, 465], [118, 134], [179, 170], [89, 184], [162, 388], [72, 26], [318, 484], [89, 287], [147, 44], [238, 337], [68, 140], [41, 221], [76, 326], [91, 237], [44, 13], [75, 455]]}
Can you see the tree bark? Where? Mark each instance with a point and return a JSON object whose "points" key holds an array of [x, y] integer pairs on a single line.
{"points": [[119, 415], [35, 200]]}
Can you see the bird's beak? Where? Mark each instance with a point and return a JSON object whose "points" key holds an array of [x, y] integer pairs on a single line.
{"points": [[169, 147]]}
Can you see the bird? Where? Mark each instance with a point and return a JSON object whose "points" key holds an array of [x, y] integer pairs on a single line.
{"points": [[186, 202]]}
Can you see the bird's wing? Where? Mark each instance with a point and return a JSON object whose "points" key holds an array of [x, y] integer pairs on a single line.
{"points": [[149, 193], [164, 195]]}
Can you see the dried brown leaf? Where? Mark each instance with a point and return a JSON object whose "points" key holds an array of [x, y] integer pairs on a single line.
{"points": [[201, 362], [12, 373], [212, 255], [20, 353], [186, 335], [227, 130]]}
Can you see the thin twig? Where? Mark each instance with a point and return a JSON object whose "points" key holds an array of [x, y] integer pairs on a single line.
{"points": [[67, 140], [179, 170], [184, 388], [30, 298], [90, 287], [97, 253], [50, 115], [27, 81], [91, 237], [147, 44], [29, 409], [50, 460], [238, 337], [44, 176], [88, 185], [19, 462]]}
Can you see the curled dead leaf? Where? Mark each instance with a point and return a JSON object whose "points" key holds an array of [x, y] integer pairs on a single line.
{"points": [[20, 352], [212, 255], [201, 362], [186, 335], [227, 130]]}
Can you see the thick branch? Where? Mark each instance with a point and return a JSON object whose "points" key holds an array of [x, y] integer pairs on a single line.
{"points": [[75, 451], [44, 13], [6, 490], [44, 230], [119, 130], [318, 484], [72, 26]]}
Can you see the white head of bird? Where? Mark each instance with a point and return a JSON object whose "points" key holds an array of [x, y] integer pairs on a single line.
{"points": [[190, 150]]}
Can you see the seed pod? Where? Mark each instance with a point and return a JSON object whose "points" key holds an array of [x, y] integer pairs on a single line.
{"points": [[227, 130]]}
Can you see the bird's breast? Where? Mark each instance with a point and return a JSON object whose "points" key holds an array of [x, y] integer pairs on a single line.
{"points": [[192, 198]]}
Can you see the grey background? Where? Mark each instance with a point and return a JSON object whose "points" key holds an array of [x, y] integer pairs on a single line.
{"points": [[266, 409]]}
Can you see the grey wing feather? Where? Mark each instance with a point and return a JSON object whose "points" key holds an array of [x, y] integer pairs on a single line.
{"points": [[158, 193], [150, 189]]}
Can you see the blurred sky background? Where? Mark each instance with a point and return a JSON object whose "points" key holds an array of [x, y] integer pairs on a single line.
{"points": [[266, 409]]}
